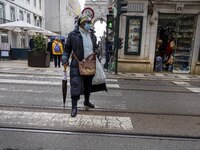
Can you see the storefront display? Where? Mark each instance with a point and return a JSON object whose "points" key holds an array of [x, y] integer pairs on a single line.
{"points": [[133, 32], [180, 29]]}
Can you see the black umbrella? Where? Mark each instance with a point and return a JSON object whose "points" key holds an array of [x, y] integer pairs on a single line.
{"points": [[64, 86]]}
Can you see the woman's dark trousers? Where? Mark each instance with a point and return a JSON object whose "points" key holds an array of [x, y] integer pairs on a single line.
{"points": [[87, 83]]}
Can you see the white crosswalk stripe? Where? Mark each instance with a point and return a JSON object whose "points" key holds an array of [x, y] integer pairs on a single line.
{"points": [[111, 83], [139, 75], [159, 75], [183, 77], [187, 86], [99, 122], [182, 83], [193, 89]]}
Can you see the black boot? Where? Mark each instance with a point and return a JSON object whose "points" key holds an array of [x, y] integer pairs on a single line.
{"points": [[87, 102], [74, 108], [74, 112]]}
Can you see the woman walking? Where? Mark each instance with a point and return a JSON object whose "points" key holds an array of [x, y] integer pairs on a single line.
{"points": [[80, 42]]}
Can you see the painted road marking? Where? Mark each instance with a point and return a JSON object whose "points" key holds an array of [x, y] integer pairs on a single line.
{"points": [[45, 77], [14, 81], [159, 75], [187, 86], [96, 122], [181, 83], [193, 89], [139, 75], [182, 77], [29, 82]]}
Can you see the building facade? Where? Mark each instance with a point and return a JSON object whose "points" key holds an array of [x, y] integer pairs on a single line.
{"points": [[30, 11], [100, 8], [60, 14], [147, 29]]}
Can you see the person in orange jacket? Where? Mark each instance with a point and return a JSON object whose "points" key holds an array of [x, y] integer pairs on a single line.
{"points": [[57, 50]]}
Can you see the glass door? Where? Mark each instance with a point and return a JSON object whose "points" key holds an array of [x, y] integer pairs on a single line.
{"points": [[184, 44]]}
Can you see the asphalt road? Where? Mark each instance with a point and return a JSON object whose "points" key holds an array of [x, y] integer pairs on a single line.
{"points": [[141, 96], [154, 107], [17, 139]]}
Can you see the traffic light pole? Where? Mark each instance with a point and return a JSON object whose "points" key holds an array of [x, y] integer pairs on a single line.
{"points": [[116, 42], [117, 36]]}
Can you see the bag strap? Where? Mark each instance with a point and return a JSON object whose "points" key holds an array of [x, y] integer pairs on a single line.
{"points": [[73, 54], [90, 55]]}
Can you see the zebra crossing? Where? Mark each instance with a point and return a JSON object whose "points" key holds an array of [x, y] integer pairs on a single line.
{"points": [[187, 86], [44, 80]]}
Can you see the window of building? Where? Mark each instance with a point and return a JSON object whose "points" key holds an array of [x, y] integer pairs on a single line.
{"points": [[1, 13], [40, 4], [12, 13], [21, 15], [35, 20], [28, 1], [28, 18], [4, 37], [34, 3], [38, 23]]}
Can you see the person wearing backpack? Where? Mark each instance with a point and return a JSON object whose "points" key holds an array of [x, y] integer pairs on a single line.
{"points": [[57, 50]]}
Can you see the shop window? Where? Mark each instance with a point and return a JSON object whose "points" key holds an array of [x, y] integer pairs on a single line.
{"points": [[175, 42], [133, 35]]}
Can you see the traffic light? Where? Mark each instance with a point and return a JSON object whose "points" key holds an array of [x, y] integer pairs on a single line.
{"points": [[110, 10], [120, 43], [110, 22], [122, 6]]}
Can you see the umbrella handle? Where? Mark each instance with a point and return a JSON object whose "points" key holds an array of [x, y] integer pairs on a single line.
{"points": [[65, 68], [65, 72]]}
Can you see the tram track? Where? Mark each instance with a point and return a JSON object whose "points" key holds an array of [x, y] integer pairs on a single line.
{"points": [[94, 111], [102, 134]]}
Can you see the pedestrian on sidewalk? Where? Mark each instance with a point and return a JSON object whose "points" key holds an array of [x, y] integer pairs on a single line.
{"points": [[57, 50], [49, 48], [109, 52], [81, 42], [31, 42]]}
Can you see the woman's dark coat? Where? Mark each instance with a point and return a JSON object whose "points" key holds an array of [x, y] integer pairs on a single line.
{"points": [[74, 43]]}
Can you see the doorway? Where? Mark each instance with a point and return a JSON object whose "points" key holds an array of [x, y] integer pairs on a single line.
{"points": [[174, 44]]}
